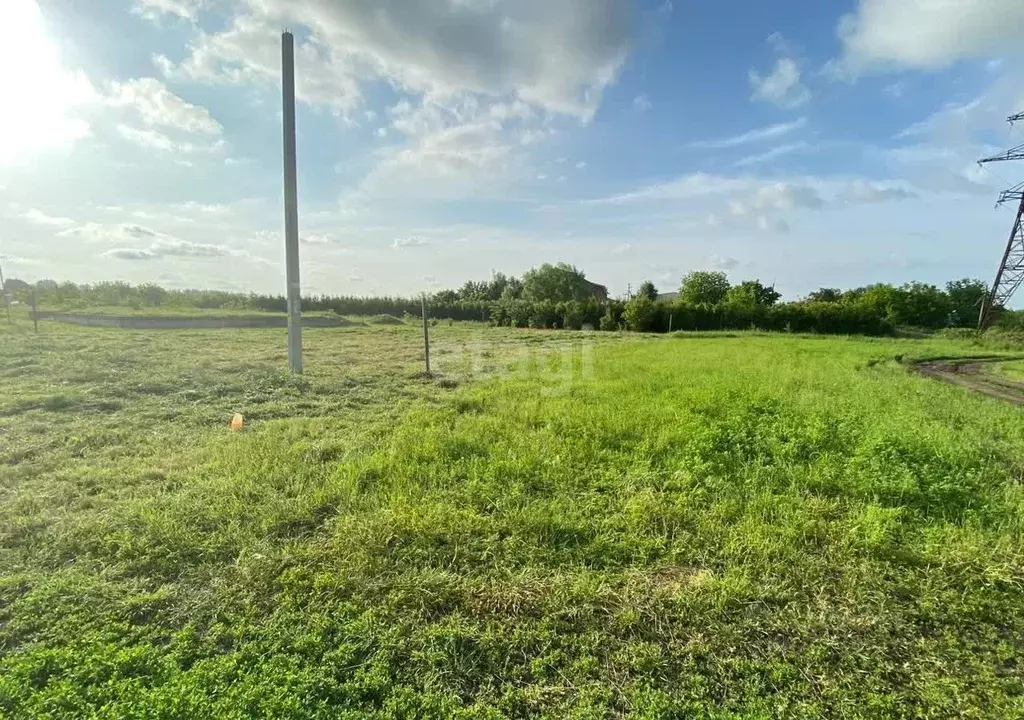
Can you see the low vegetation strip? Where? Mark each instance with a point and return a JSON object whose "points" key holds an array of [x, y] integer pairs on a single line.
{"points": [[185, 322], [753, 526]]}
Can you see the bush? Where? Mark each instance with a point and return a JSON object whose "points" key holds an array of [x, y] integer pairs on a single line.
{"points": [[385, 320], [573, 315], [641, 314], [544, 315]]}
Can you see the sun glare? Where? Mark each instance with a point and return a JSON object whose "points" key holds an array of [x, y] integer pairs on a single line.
{"points": [[40, 95]]}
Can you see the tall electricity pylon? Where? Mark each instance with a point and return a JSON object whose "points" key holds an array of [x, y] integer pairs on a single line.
{"points": [[1011, 271]]}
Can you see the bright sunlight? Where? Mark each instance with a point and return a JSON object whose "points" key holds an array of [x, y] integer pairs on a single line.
{"points": [[46, 93]]}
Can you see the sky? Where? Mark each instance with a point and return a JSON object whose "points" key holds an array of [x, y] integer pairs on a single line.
{"points": [[800, 142]]}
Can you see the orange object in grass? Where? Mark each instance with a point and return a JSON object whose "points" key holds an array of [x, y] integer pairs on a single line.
{"points": [[237, 421]]}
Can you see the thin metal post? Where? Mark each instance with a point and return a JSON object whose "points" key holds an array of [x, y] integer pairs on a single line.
{"points": [[291, 205], [35, 311], [7, 296], [670, 322], [426, 332]]}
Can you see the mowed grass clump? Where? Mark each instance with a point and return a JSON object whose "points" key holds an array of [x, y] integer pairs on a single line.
{"points": [[749, 526], [1013, 370], [385, 320]]}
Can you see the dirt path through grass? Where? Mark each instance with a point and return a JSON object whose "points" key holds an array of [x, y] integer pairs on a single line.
{"points": [[975, 374]]}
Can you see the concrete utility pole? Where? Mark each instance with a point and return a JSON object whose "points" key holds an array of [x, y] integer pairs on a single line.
{"points": [[426, 332], [7, 295], [291, 205]]}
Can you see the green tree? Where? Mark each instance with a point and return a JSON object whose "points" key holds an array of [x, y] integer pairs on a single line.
{"points": [[826, 295], [555, 283], [472, 290], [922, 305], [915, 304], [152, 295], [648, 290], [641, 314], [752, 293], [965, 299], [445, 297], [704, 287]]}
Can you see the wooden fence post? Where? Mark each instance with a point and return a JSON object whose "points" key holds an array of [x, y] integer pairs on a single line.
{"points": [[35, 311]]}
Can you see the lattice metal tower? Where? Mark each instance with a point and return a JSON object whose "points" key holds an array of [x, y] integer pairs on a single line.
{"points": [[1011, 271]]}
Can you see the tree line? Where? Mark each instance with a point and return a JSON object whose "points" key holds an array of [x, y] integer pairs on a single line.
{"points": [[560, 296]]}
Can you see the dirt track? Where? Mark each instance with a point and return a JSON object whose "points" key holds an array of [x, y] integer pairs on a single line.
{"points": [[974, 374]]}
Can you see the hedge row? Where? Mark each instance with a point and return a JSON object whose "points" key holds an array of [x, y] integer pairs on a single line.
{"points": [[648, 316]]}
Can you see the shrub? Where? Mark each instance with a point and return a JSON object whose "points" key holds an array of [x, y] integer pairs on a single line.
{"points": [[573, 315], [385, 320], [641, 314]]}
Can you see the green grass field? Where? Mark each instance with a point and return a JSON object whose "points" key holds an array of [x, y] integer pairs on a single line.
{"points": [[1012, 370], [565, 525]]}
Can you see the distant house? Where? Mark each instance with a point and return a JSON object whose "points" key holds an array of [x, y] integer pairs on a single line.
{"points": [[668, 297], [600, 292]]}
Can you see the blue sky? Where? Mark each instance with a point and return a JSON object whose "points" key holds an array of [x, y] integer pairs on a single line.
{"points": [[803, 143]]}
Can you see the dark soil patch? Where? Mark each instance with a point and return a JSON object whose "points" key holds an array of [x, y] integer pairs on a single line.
{"points": [[973, 374]]}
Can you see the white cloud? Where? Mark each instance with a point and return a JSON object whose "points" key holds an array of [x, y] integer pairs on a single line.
{"points": [[928, 34], [749, 196], [317, 238], [722, 262], [168, 246], [865, 191], [156, 9], [956, 122], [772, 154], [101, 233], [788, 196], [686, 187], [641, 103], [40, 218], [771, 132], [895, 91], [944, 169], [782, 87], [248, 52], [156, 140], [556, 54], [772, 224], [137, 242], [158, 107], [455, 147], [129, 254], [173, 247], [146, 138], [408, 242], [580, 165]]}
